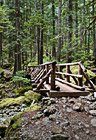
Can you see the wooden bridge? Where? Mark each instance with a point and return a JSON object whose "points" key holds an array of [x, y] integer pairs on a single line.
{"points": [[50, 78]]}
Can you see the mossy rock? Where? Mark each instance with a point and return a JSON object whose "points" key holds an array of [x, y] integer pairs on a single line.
{"points": [[15, 123], [22, 90], [30, 96], [33, 107], [12, 101]]}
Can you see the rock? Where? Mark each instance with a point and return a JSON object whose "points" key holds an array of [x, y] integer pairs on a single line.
{"points": [[92, 106], [45, 100], [49, 110], [11, 107], [92, 112], [77, 137], [86, 108], [69, 109], [59, 137], [64, 100], [0, 115], [87, 131], [65, 124], [90, 98], [87, 125], [72, 101], [93, 122], [57, 122], [78, 107], [45, 121]]}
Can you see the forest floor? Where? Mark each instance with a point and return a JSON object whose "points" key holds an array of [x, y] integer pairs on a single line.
{"points": [[71, 118], [59, 119], [65, 118]]}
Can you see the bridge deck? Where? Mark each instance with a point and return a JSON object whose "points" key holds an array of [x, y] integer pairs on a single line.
{"points": [[65, 90]]}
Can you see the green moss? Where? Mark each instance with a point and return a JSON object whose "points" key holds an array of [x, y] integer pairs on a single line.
{"points": [[33, 107], [22, 90], [17, 124], [11, 101], [30, 96]]}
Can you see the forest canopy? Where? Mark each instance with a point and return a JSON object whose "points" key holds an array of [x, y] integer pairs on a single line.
{"points": [[33, 31]]}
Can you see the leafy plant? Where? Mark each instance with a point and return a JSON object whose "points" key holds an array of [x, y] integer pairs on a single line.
{"points": [[20, 79]]}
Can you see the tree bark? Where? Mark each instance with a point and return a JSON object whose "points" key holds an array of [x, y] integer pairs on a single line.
{"points": [[59, 31], [53, 15], [17, 65], [1, 38], [41, 32], [94, 35], [76, 10], [70, 30]]}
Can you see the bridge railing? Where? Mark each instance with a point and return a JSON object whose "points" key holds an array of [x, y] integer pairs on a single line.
{"points": [[43, 71], [77, 78]]}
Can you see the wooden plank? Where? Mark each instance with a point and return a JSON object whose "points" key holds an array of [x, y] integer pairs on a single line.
{"points": [[41, 90], [82, 67], [44, 79], [74, 78], [80, 80], [70, 64], [53, 75], [47, 81], [72, 75], [70, 84], [40, 76], [58, 94], [67, 71], [89, 81]]}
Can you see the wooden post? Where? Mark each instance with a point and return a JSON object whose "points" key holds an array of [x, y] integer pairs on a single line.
{"points": [[80, 79], [47, 81], [53, 75], [68, 71], [60, 70]]}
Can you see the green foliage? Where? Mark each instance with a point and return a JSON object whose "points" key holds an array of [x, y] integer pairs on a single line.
{"points": [[20, 79], [21, 73], [7, 65], [4, 20]]}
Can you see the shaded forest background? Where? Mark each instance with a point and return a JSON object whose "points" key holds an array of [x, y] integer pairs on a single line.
{"points": [[36, 31]]}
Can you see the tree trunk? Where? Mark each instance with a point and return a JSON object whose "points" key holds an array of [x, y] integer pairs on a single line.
{"points": [[94, 36], [59, 32], [1, 36], [76, 10], [70, 30], [53, 15], [17, 65], [0, 50], [41, 33]]}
